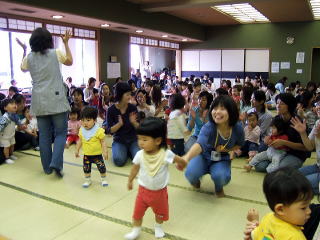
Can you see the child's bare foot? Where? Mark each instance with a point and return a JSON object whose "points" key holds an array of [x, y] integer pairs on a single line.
{"points": [[220, 194], [247, 167], [253, 215]]}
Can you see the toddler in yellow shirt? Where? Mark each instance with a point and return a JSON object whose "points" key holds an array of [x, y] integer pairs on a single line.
{"points": [[91, 139], [288, 194]]}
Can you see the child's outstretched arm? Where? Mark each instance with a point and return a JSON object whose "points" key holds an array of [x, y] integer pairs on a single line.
{"points": [[134, 171], [253, 222], [180, 162], [78, 146]]}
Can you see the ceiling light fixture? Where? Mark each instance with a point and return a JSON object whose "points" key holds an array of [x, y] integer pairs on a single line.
{"points": [[57, 16], [315, 6], [105, 25], [139, 31], [164, 36], [243, 12], [184, 40]]}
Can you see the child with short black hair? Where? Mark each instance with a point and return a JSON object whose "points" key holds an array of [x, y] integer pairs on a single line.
{"points": [[252, 136], [73, 127], [31, 130], [91, 139], [288, 194], [95, 98], [177, 127], [275, 155], [7, 128], [235, 94], [152, 165], [12, 91]]}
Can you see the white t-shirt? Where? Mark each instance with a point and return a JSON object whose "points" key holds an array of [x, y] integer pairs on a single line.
{"points": [[177, 125], [161, 179], [316, 140], [148, 113], [33, 124]]}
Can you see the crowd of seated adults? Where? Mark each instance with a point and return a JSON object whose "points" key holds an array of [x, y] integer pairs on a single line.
{"points": [[153, 96]]}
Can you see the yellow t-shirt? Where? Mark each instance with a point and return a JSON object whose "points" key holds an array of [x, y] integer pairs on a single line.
{"points": [[93, 146], [273, 228]]}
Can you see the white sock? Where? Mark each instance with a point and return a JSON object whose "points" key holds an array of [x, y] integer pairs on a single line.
{"points": [[9, 161], [104, 182], [87, 182], [158, 232], [135, 232]]}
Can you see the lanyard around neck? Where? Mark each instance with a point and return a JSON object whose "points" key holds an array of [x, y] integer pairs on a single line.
{"points": [[217, 136]]}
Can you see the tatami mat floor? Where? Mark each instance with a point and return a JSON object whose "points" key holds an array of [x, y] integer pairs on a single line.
{"points": [[37, 206]]}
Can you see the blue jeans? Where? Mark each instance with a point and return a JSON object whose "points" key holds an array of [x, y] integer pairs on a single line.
{"points": [[262, 147], [287, 161], [248, 146], [312, 173], [50, 125], [220, 171], [120, 152]]}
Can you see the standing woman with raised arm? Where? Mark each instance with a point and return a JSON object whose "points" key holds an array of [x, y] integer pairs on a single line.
{"points": [[49, 95]]}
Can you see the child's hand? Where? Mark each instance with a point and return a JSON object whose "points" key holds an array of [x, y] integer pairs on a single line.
{"points": [[277, 143], [22, 127], [253, 215], [77, 154], [181, 165], [130, 186], [250, 226]]}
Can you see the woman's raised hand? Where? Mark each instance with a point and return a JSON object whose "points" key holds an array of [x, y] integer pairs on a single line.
{"points": [[24, 46], [299, 126], [65, 38]]}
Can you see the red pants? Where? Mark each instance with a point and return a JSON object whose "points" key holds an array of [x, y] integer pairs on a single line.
{"points": [[72, 138], [157, 200]]}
